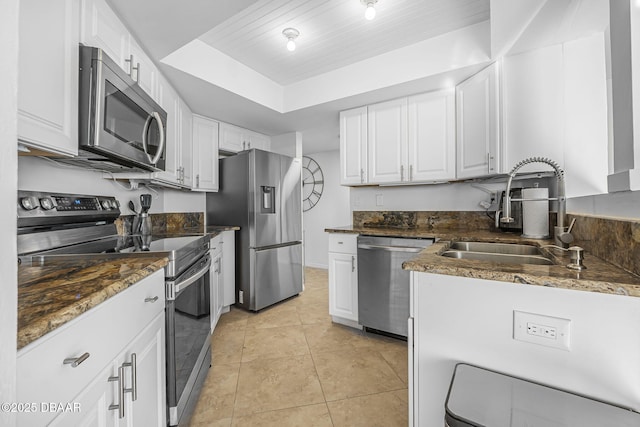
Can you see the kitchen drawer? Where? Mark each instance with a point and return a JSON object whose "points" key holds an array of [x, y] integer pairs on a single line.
{"points": [[343, 243], [103, 332]]}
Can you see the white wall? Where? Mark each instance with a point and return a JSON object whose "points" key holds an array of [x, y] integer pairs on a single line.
{"points": [[332, 210], [8, 185], [43, 175], [604, 340]]}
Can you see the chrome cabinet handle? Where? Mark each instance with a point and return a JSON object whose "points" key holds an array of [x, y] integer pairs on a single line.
{"points": [[410, 172], [75, 361], [198, 181], [120, 405], [401, 172], [353, 263], [134, 377], [151, 300], [361, 176], [129, 60], [137, 68], [489, 158]]}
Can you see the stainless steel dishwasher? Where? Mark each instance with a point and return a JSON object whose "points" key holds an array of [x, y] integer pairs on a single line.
{"points": [[383, 286]]}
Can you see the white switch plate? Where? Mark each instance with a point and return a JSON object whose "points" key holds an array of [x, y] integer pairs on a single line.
{"points": [[379, 200], [543, 330]]}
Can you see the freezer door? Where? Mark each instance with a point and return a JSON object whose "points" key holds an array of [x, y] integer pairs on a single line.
{"points": [[265, 192], [278, 275], [291, 200]]}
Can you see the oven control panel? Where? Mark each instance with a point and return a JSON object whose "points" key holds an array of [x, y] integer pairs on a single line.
{"points": [[39, 208]]}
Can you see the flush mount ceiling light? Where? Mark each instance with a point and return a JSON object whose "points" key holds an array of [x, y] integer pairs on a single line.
{"points": [[291, 34], [370, 12]]}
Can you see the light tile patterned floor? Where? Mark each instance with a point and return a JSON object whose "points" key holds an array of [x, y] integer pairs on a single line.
{"points": [[289, 365]]}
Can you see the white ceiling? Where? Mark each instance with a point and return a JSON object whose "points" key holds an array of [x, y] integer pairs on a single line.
{"points": [[333, 33], [335, 42]]}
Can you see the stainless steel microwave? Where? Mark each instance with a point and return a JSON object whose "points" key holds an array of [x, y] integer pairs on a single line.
{"points": [[120, 126]]}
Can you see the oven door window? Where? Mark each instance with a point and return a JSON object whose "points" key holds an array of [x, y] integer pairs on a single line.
{"points": [[128, 122], [192, 324]]}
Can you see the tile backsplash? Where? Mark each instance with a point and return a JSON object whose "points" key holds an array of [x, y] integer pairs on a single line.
{"points": [[166, 223], [441, 220]]}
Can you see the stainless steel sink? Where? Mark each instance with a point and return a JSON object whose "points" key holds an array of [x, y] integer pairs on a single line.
{"points": [[496, 248], [498, 257], [506, 253]]}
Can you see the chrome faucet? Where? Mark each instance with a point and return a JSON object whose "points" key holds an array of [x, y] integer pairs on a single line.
{"points": [[561, 236]]}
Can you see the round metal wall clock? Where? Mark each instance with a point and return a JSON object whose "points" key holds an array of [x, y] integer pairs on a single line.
{"points": [[312, 182]]}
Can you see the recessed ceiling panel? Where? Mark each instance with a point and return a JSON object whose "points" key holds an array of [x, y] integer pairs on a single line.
{"points": [[333, 33]]}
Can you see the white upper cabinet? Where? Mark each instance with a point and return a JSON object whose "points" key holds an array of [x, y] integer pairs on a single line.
{"points": [[205, 154], [431, 137], [353, 146], [407, 140], [185, 119], [478, 124], [48, 76], [101, 27], [234, 139], [533, 106], [387, 141]]}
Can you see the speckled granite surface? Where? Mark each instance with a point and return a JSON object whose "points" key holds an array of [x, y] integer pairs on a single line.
{"points": [[57, 292], [600, 276], [166, 223], [428, 220]]}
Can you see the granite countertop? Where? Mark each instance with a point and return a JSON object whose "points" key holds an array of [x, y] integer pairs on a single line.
{"points": [[599, 276], [214, 230], [52, 294]]}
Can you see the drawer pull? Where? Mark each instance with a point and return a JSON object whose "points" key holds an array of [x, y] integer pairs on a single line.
{"points": [[341, 243], [120, 405], [152, 300], [75, 361]]}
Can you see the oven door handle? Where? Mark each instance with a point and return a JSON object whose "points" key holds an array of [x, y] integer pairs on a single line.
{"points": [[391, 248], [191, 279]]}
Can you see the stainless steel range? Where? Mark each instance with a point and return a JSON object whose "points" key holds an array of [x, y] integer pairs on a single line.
{"points": [[51, 226]]}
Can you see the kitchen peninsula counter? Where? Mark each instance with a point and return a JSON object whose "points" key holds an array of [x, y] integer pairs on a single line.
{"points": [[599, 276], [55, 293]]}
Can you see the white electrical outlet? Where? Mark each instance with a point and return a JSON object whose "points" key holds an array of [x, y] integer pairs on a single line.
{"points": [[379, 200], [539, 329]]}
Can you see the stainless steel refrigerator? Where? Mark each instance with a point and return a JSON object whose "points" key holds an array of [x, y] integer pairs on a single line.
{"points": [[261, 192]]}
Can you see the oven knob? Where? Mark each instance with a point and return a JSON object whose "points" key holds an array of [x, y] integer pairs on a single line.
{"points": [[29, 203], [46, 203], [106, 204]]}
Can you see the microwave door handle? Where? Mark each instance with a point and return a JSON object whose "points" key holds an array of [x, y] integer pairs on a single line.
{"points": [[145, 131], [162, 137]]}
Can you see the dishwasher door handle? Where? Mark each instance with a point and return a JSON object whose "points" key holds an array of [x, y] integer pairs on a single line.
{"points": [[390, 248]]}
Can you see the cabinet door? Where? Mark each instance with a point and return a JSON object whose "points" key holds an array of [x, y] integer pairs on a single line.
{"points": [[205, 154], [48, 76], [231, 138], [478, 138], [100, 27], [216, 288], [170, 102], [149, 407], [185, 118], [387, 141], [228, 267], [143, 70], [431, 132], [217, 262], [258, 140], [353, 146], [343, 285], [93, 405]]}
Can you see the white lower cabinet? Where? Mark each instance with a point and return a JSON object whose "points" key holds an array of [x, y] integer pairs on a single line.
{"points": [[216, 289], [228, 268], [119, 345], [343, 279]]}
